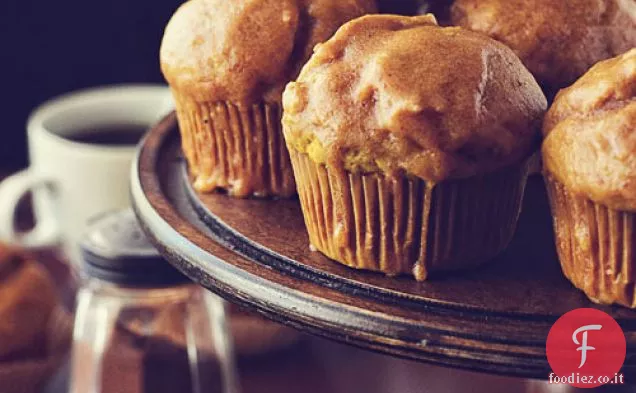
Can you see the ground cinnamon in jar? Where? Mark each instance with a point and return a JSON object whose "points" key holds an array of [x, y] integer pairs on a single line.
{"points": [[134, 362], [141, 326]]}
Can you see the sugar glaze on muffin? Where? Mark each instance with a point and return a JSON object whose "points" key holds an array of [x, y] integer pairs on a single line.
{"points": [[227, 63], [558, 40], [368, 101]]}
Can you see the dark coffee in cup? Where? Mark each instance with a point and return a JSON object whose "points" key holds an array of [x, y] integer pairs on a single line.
{"points": [[109, 135], [81, 148]]}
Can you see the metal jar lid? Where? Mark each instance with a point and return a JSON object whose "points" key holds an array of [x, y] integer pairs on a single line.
{"points": [[115, 249]]}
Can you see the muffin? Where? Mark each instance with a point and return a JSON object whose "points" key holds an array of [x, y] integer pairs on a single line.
{"points": [[590, 172], [227, 63], [410, 143], [557, 40], [35, 328]]}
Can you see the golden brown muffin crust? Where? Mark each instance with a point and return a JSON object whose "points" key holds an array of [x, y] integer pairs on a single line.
{"points": [[558, 40], [590, 130], [401, 94], [247, 50]]}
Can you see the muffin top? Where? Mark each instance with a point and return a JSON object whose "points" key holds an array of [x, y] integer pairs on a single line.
{"points": [[590, 130], [402, 95], [558, 40], [247, 50]]}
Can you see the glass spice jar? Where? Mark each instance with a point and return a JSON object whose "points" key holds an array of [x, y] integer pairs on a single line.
{"points": [[140, 325]]}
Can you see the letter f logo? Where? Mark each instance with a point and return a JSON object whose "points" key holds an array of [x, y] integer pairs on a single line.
{"points": [[583, 344]]}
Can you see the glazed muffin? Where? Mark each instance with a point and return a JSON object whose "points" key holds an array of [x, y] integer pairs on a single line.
{"points": [[558, 41], [227, 63], [590, 172], [410, 144]]}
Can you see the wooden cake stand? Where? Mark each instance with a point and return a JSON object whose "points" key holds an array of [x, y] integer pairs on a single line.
{"points": [[256, 253]]}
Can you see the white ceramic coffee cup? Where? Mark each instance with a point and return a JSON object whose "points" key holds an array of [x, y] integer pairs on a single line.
{"points": [[74, 181]]}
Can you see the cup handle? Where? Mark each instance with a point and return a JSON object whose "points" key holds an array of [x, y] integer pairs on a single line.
{"points": [[46, 232]]}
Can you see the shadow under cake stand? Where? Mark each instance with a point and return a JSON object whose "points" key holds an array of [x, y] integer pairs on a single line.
{"points": [[256, 253]]}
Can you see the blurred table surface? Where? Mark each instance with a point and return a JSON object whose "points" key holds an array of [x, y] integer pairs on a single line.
{"points": [[316, 365], [319, 366], [327, 367]]}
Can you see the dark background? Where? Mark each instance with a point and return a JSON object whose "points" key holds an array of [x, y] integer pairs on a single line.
{"points": [[51, 47]]}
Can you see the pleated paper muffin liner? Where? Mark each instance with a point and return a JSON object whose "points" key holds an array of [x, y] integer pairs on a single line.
{"points": [[402, 225], [595, 245], [238, 148]]}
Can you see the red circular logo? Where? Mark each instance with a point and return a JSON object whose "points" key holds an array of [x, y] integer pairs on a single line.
{"points": [[586, 349]]}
